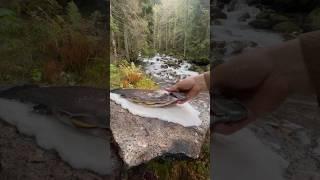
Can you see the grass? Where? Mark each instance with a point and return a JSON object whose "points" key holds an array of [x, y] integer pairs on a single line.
{"points": [[128, 75]]}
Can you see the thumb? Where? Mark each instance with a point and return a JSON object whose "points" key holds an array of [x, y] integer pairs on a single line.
{"points": [[173, 88]]}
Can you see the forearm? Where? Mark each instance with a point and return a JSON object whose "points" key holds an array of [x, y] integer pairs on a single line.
{"points": [[288, 62], [206, 76]]}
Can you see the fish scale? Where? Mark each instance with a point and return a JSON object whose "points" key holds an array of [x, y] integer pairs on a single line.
{"points": [[150, 98]]}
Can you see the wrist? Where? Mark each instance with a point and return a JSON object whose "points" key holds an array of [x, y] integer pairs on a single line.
{"points": [[201, 82]]}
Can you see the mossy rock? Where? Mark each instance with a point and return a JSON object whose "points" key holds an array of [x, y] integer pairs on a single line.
{"points": [[267, 19], [277, 18], [6, 12], [313, 20], [261, 23], [200, 61], [286, 27]]}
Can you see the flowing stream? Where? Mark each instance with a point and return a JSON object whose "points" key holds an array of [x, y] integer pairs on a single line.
{"points": [[231, 29]]}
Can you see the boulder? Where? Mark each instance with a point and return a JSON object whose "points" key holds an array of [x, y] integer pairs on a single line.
{"points": [[267, 19], [261, 24], [200, 61], [313, 20], [244, 17], [218, 14], [239, 46], [286, 27], [142, 139], [232, 5], [217, 22], [164, 66], [288, 5]]}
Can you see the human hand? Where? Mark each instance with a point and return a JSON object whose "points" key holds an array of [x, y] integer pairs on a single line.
{"points": [[253, 79], [192, 86]]}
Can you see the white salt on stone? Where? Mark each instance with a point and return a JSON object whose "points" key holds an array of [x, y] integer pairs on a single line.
{"points": [[183, 114], [242, 156], [79, 149]]}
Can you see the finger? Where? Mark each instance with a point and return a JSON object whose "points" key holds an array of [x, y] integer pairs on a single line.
{"points": [[193, 92], [230, 128], [173, 88]]}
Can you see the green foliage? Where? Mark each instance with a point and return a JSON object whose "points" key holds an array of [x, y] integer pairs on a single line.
{"points": [[45, 44], [96, 73], [45, 8], [128, 75], [6, 12], [36, 75], [182, 26], [286, 27], [148, 52], [313, 20], [74, 15], [115, 80]]}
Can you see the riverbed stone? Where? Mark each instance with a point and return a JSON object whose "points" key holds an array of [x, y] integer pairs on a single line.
{"points": [[218, 14], [244, 16], [286, 27]]}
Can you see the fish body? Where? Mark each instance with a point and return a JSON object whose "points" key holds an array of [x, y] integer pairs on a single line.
{"points": [[150, 98], [227, 110], [84, 108]]}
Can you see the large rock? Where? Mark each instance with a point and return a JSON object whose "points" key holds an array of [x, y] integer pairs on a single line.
{"points": [[313, 20], [286, 27], [141, 139], [288, 5], [239, 46], [244, 17], [267, 19], [261, 24], [218, 14]]}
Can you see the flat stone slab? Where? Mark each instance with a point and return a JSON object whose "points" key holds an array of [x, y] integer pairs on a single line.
{"points": [[141, 139]]}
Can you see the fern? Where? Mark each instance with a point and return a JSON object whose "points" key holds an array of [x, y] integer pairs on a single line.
{"points": [[74, 15]]}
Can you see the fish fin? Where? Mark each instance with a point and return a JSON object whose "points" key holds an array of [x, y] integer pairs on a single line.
{"points": [[81, 124]]}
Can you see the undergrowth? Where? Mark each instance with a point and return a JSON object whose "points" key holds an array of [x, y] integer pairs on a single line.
{"points": [[43, 42], [128, 75]]}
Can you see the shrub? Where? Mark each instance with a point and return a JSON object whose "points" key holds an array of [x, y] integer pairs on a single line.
{"points": [[130, 76]]}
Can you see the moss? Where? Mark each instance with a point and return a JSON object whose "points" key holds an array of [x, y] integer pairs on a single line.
{"points": [[286, 27], [277, 18], [202, 61], [193, 169], [313, 20]]}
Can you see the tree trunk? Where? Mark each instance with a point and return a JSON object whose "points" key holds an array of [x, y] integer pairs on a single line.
{"points": [[185, 29], [154, 32], [159, 34], [175, 29], [166, 37], [126, 43], [114, 45]]}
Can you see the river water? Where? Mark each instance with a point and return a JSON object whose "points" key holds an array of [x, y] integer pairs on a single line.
{"points": [[231, 29]]}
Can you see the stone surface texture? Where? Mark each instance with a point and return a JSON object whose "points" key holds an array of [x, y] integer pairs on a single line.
{"points": [[141, 139]]}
